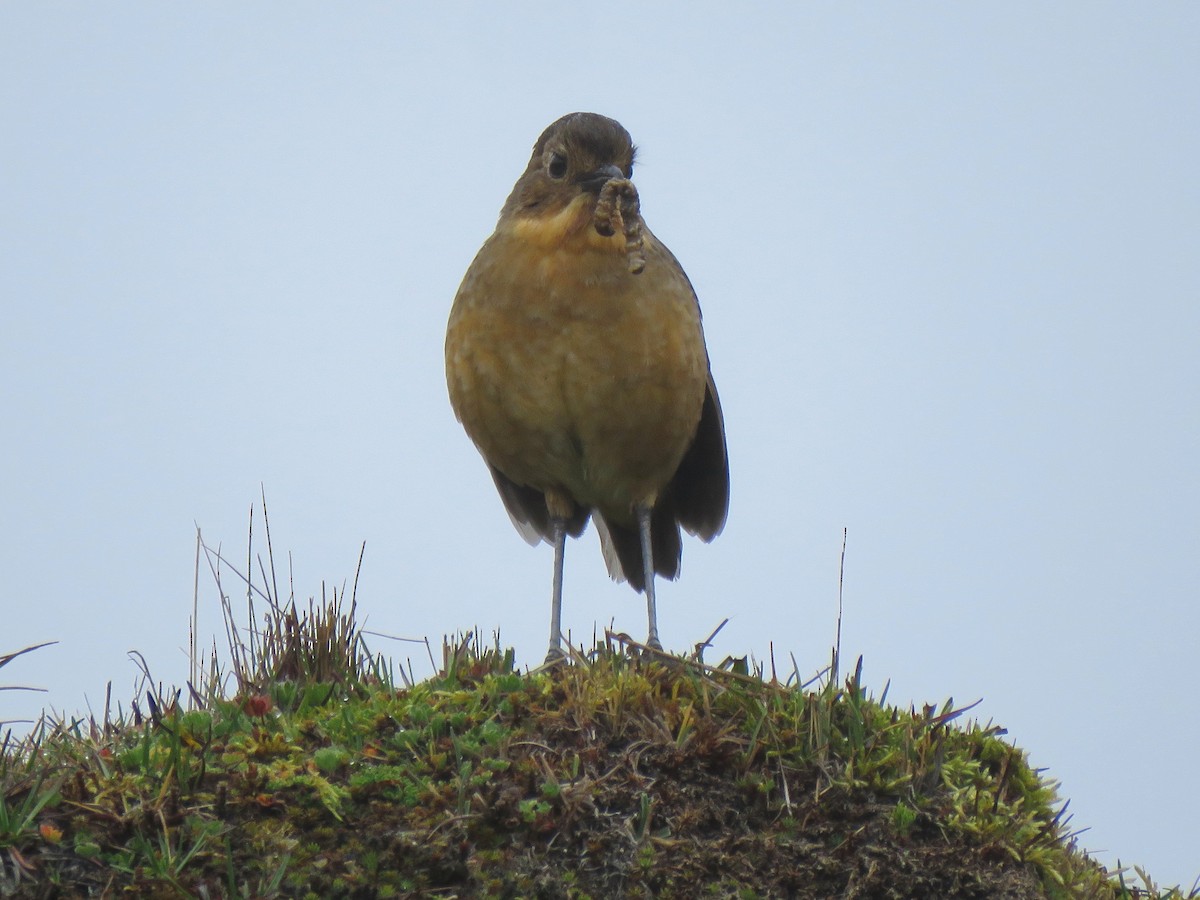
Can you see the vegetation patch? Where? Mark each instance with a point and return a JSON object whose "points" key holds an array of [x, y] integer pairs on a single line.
{"points": [[307, 771], [622, 774]]}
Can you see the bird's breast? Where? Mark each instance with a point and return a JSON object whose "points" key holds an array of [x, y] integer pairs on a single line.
{"points": [[570, 372]]}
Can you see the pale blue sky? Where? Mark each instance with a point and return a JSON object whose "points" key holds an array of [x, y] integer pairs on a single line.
{"points": [[947, 256]]}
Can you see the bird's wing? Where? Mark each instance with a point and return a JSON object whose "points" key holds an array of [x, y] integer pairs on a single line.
{"points": [[700, 489], [526, 506]]}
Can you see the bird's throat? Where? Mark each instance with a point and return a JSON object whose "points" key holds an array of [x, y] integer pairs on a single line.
{"points": [[570, 228]]}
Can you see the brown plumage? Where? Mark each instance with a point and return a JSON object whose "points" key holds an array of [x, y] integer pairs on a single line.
{"points": [[576, 362]]}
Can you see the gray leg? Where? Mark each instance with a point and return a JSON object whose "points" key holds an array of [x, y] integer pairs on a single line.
{"points": [[560, 542], [643, 517]]}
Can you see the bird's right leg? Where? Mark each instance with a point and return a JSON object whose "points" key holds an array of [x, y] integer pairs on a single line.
{"points": [[559, 531], [561, 507]]}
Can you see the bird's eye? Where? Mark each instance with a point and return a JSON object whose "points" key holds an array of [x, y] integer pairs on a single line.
{"points": [[629, 171], [557, 166]]}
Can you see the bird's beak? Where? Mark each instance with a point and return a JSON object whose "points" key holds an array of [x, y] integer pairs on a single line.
{"points": [[593, 181]]}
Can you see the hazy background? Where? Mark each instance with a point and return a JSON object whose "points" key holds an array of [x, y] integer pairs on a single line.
{"points": [[947, 257]]}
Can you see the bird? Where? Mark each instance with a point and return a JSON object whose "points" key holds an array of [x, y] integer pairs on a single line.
{"points": [[576, 363]]}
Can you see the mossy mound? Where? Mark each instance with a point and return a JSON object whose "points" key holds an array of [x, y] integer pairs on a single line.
{"points": [[613, 776]]}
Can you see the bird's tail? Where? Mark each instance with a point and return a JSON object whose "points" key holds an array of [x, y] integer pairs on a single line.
{"points": [[622, 547]]}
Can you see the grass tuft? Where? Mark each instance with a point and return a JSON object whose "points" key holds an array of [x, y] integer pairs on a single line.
{"points": [[297, 767]]}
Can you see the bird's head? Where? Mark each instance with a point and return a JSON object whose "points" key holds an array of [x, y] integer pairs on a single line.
{"points": [[576, 155]]}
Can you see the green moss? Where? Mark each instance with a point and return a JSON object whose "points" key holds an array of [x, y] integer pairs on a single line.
{"points": [[617, 776]]}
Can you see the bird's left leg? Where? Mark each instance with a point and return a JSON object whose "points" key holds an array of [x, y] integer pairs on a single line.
{"points": [[644, 512]]}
